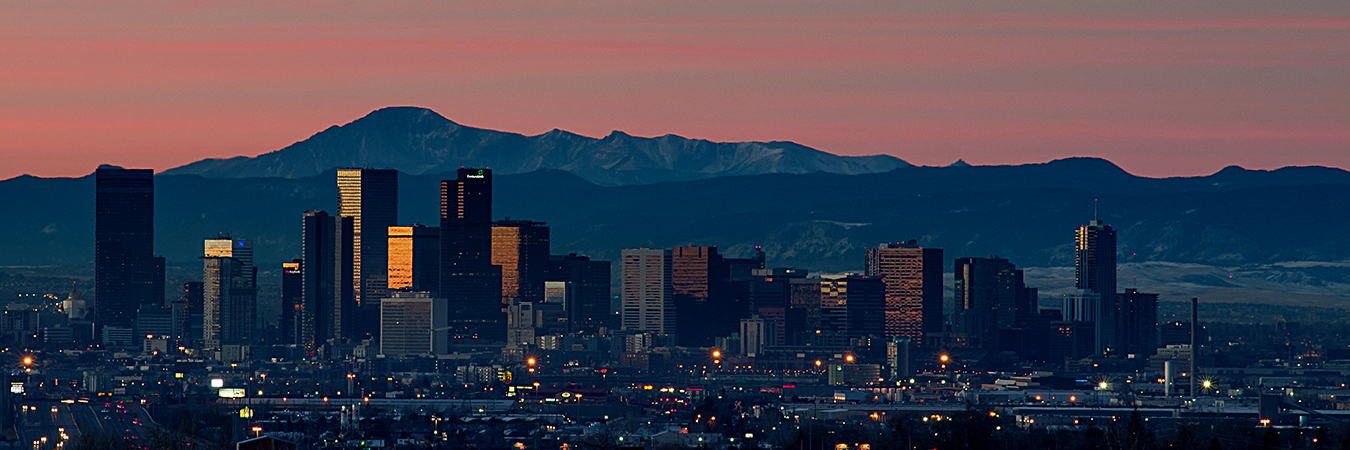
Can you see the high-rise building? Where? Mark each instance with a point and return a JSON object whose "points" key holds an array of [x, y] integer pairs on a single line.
{"points": [[756, 334], [646, 291], [520, 248], [127, 274], [328, 299], [292, 299], [853, 306], [1136, 323], [1095, 270], [412, 324], [415, 258], [986, 298], [192, 304], [469, 281], [229, 293], [1085, 306], [1095, 258], [803, 312], [698, 281], [913, 277], [589, 310], [369, 199]]}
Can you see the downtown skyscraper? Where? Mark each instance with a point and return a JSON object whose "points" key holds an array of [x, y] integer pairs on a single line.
{"points": [[415, 258], [913, 277], [229, 293], [369, 199], [470, 283], [646, 294], [127, 274], [1095, 271], [521, 249], [328, 301]]}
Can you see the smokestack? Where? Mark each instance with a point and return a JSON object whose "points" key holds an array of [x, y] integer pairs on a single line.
{"points": [[1195, 343]]}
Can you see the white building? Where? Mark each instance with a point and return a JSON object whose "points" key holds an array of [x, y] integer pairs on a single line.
{"points": [[646, 292]]}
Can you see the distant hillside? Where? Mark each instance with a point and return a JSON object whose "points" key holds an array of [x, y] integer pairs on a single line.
{"points": [[818, 221], [420, 141]]}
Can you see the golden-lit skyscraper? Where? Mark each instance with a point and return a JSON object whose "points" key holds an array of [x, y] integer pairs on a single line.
{"points": [[414, 258], [521, 248], [229, 293], [913, 278], [369, 198]]}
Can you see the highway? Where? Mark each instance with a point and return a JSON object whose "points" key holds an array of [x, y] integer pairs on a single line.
{"points": [[44, 422]]}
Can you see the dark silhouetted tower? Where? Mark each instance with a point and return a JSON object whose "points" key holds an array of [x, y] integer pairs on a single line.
{"points": [[469, 281], [292, 297], [127, 274], [986, 297], [329, 300], [1095, 270], [589, 309]]}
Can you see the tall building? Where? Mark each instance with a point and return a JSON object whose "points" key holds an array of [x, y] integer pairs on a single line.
{"points": [[853, 306], [986, 298], [1136, 322], [127, 274], [589, 310], [1095, 270], [469, 281], [328, 299], [756, 334], [292, 298], [412, 324], [698, 279], [369, 199], [913, 277], [646, 291], [415, 258], [229, 293], [1085, 306], [192, 304], [520, 248]]}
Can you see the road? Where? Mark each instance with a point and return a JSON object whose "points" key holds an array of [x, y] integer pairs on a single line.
{"points": [[50, 419]]}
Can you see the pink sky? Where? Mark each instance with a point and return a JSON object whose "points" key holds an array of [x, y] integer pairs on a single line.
{"points": [[1163, 88]]}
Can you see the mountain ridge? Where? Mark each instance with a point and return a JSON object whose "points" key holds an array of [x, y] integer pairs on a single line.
{"points": [[819, 221], [417, 140]]}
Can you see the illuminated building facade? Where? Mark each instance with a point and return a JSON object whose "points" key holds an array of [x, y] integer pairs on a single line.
{"points": [[229, 293], [698, 281], [521, 249], [913, 277], [415, 258], [369, 199]]}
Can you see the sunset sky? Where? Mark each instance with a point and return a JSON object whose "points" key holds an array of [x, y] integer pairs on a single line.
{"points": [[1162, 88]]}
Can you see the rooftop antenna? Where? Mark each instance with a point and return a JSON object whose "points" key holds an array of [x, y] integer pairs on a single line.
{"points": [[1094, 209]]}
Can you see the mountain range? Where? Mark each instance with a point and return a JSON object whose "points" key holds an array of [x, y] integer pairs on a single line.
{"points": [[821, 221], [809, 209], [420, 141]]}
